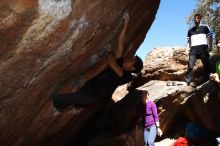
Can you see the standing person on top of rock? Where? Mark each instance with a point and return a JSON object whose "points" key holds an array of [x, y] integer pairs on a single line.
{"points": [[200, 43], [152, 124], [104, 84]]}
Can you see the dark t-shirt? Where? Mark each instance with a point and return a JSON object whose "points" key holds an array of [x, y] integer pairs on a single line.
{"points": [[198, 38], [105, 83]]}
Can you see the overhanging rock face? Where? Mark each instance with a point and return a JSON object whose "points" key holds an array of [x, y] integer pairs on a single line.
{"points": [[51, 45]]}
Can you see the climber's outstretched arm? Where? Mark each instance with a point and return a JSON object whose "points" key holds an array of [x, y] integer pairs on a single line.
{"points": [[121, 41]]}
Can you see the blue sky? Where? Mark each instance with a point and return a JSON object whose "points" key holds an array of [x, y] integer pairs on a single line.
{"points": [[169, 28]]}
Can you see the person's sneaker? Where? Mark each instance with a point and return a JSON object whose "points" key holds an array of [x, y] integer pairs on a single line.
{"points": [[168, 83], [63, 108], [193, 84], [174, 83], [187, 81], [171, 83]]}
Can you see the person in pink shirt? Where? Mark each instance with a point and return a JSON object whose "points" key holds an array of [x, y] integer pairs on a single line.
{"points": [[152, 124]]}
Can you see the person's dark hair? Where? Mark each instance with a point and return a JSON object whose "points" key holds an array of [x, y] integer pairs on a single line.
{"points": [[197, 14], [144, 92], [144, 95], [138, 64]]}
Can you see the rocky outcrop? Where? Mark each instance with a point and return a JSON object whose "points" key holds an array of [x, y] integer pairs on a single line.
{"points": [[177, 102], [168, 64], [181, 102], [50, 46]]}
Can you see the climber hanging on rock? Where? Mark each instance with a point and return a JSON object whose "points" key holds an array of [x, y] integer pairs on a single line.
{"points": [[104, 84]]}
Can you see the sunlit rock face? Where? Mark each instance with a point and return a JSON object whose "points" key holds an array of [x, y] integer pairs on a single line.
{"points": [[169, 64], [50, 46]]}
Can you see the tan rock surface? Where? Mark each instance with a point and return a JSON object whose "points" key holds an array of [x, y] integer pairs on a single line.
{"points": [[50, 46], [167, 64]]}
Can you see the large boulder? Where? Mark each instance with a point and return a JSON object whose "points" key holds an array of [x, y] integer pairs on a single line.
{"points": [[50, 46], [179, 104], [169, 64]]}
